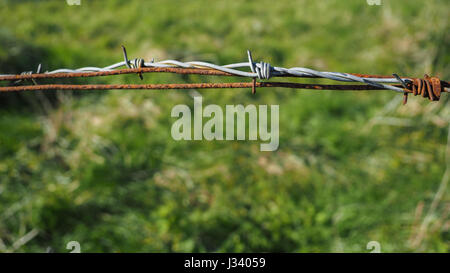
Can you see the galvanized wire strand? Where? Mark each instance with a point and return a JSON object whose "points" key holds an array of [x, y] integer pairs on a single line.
{"points": [[259, 70]]}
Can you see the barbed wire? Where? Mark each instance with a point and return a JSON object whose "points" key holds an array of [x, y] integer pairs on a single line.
{"points": [[190, 86], [430, 87]]}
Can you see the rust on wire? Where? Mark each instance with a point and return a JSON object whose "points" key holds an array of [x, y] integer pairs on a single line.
{"points": [[177, 70], [252, 84]]}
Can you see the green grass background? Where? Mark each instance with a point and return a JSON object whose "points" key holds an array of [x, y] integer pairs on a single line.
{"points": [[102, 169]]}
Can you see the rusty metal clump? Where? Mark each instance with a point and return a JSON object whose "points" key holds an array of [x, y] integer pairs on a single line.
{"points": [[428, 87]]}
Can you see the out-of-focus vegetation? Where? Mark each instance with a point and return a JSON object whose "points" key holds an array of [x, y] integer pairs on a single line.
{"points": [[102, 169]]}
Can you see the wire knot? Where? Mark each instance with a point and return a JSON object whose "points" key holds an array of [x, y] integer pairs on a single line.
{"points": [[135, 63], [261, 69], [428, 87], [38, 70]]}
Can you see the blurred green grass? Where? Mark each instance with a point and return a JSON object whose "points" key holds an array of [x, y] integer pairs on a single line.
{"points": [[102, 168]]}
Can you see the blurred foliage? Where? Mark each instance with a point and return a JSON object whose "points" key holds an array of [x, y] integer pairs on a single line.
{"points": [[101, 168]]}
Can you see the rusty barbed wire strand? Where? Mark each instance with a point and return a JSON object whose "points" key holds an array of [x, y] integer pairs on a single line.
{"points": [[340, 87], [61, 75]]}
